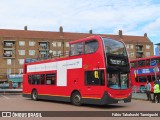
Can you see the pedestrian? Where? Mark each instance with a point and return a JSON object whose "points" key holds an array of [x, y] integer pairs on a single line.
{"points": [[148, 91], [156, 92], [159, 89]]}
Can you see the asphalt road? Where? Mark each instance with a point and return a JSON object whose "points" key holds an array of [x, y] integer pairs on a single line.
{"points": [[19, 103]]}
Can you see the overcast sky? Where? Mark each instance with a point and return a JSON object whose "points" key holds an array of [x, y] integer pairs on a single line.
{"points": [[133, 17]]}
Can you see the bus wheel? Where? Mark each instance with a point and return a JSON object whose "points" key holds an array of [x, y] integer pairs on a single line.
{"points": [[76, 99], [34, 95]]}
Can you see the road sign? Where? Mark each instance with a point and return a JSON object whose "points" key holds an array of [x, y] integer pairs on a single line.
{"points": [[153, 63]]}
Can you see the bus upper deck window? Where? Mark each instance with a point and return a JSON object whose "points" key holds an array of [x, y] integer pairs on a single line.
{"points": [[141, 63], [76, 49], [148, 62], [91, 46], [133, 64], [157, 60]]}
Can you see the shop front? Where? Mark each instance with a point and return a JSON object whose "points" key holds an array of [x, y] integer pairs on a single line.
{"points": [[15, 81]]}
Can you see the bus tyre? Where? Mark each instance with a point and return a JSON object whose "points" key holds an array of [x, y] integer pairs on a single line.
{"points": [[76, 99], [34, 95]]}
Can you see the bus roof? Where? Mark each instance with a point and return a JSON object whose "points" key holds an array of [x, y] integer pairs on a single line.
{"points": [[152, 57], [90, 37]]}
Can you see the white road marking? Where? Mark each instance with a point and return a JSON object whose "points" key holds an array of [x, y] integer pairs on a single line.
{"points": [[5, 97]]}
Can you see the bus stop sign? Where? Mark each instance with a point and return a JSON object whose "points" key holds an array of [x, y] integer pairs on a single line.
{"points": [[153, 63]]}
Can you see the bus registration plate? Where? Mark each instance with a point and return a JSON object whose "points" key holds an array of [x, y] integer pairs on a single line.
{"points": [[121, 101]]}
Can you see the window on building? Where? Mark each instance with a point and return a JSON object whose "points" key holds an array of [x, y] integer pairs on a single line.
{"points": [[8, 53], [20, 71], [43, 52], [9, 71], [127, 46], [148, 54], [59, 52], [54, 52], [59, 44], [67, 52], [31, 43], [54, 44], [131, 46], [21, 61], [76, 49], [21, 43], [139, 48], [95, 77], [44, 45], [21, 52], [131, 54], [67, 44], [32, 52], [9, 61], [148, 46], [8, 43]]}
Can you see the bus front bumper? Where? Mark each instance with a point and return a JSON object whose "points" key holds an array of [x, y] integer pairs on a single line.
{"points": [[105, 100]]}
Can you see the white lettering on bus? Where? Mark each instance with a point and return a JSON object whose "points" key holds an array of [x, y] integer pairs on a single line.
{"points": [[60, 66]]}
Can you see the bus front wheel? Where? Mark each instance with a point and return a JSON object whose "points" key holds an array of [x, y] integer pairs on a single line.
{"points": [[35, 95], [76, 99]]}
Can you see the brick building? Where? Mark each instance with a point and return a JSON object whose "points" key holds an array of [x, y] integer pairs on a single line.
{"points": [[16, 45]]}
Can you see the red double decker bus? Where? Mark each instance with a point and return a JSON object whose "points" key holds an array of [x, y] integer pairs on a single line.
{"points": [[95, 72], [143, 70]]}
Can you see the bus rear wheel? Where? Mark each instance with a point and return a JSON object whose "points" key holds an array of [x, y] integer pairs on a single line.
{"points": [[34, 95], [76, 99]]}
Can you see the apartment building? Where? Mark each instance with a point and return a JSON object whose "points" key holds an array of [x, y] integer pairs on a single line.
{"points": [[16, 45]]}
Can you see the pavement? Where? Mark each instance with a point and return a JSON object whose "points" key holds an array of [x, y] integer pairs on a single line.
{"points": [[140, 96]]}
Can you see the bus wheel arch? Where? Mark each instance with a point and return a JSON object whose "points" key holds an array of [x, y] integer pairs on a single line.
{"points": [[34, 94], [76, 98]]}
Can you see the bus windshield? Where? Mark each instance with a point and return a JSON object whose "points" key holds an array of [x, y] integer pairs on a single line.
{"points": [[117, 64], [114, 47]]}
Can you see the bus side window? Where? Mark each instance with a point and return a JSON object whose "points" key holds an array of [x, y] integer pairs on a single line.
{"points": [[76, 49], [136, 78], [133, 64], [142, 79], [149, 78], [30, 79], [153, 78], [36, 79], [51, 79], [43, 79], [91, 46], [148, 62], [141, 63], [157, 60], [94, 77]]}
